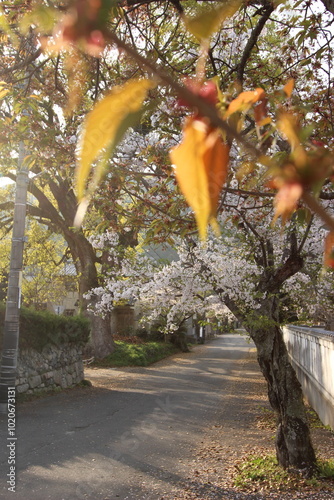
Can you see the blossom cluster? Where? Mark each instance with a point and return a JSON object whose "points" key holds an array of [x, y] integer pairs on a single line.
{"points": [[200, 277]]}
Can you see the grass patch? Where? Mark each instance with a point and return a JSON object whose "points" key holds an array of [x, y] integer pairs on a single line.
{"points": [[314, 420], [261, 473], [143, 354]]}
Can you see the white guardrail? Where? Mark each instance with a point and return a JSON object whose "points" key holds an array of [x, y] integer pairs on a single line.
{"points": [[312, 355]]}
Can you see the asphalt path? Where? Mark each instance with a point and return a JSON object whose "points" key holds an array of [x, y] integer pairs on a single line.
{"points": [[125, 439]]}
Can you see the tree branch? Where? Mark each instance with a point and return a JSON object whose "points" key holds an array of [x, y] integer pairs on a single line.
{"points": [[329, 4], [318, 209], [252, 41]]}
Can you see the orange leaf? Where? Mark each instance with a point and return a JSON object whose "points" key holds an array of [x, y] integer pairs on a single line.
{"points": [[289, 86], [286, 200], [245, 100], [329, 250], [260, 112], [201, 168], [215, 158], [288, 124]]}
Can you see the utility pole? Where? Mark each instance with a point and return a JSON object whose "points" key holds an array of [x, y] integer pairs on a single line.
{"points": [[8, 367]]}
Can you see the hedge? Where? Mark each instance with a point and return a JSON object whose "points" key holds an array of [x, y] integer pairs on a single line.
{"points": [[39, 329]]}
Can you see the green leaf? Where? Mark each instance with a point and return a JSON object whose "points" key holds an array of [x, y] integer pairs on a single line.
{"points": [[42, 16], [105, 126], [6, 28], [101, 166], [203, 25]]}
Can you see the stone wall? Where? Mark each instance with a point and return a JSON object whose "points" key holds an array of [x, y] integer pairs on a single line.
{"points": [[312, 355], [53, 367]]}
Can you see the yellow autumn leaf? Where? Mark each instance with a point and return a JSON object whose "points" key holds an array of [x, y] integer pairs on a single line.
{"points": [[191, 174], [203, 25], [6, 28], [289, 86], [215, 158], [265, 121], [245, 169], [288, 125], [3, 90], [104, 127], [244, 101], [200, 168], [286, 200]]}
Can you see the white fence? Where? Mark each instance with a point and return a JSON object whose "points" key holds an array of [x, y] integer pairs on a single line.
{"points": [[312, 354]]}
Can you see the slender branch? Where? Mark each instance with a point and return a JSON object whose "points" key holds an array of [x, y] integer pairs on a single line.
{"points": [[260, 240], [252, 41], [256, 194], [211, 113], [318, 209], [302, 243], [155, 207], [22, 64]]}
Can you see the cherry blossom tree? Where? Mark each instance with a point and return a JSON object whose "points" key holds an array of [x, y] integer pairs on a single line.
{"points": [[255, 76], [250, 271]]}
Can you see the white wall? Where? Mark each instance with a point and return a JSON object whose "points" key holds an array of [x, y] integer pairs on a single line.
{"points": [[312, 355]]}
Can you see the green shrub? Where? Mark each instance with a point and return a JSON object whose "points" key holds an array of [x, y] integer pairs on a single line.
{"points": [[38, 329], [143, 354]]}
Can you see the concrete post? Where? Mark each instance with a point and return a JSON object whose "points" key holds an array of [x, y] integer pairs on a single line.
{"points": [[8, 367]]}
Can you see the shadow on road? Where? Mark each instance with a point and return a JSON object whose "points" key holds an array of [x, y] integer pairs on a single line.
{"points": [[129, 438]]}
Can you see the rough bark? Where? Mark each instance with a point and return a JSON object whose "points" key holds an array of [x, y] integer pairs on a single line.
{"points": [[294, 447], [329, 4], [101, 342], [293, 442]]}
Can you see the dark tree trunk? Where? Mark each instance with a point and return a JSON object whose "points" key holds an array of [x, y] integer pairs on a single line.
{"points": [[101, 340], [329, 4], [180, 341], [294, 448], [293, 442]]}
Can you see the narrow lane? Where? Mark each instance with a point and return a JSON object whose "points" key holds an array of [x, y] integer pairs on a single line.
{"points": [[125, 439]]}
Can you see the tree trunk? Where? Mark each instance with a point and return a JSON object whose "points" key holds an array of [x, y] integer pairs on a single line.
{"points": [[294, 448], [180, 341], [293, 442], [101, 340]]}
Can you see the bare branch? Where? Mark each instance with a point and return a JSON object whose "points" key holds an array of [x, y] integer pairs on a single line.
{"points": [[252, 41]]}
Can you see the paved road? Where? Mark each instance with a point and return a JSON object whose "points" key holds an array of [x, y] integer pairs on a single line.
{"points": [[125, 440]]}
